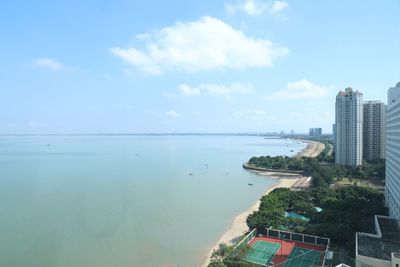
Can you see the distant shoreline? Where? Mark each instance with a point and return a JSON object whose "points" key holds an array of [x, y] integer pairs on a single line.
{"points": [[286, 179], [261, 169], [266, 136]]}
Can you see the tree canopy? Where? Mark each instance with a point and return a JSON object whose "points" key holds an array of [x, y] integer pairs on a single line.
{"points": [[345, 211]]}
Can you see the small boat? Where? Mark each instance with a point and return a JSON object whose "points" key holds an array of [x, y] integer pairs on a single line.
{"points": [[190, 173], [250, 184], [292, 150]]}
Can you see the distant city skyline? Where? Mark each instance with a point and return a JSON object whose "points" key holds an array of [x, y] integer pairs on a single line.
{"points": [[190, 66]]}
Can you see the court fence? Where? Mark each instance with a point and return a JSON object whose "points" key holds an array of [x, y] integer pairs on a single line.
{"points": [[288, 236], [291, 236], [246, 240], [303, 238]]}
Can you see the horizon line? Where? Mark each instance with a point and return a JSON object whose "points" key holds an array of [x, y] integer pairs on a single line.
{"points": [[161, 133]]}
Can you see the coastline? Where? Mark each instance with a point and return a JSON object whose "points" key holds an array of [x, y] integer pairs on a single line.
{"points": [[312, 150], [239, 226]]}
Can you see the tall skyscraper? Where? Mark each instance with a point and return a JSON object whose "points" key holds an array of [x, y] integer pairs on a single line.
{"points": [[392, 188], [349, 128], [374, 122]]}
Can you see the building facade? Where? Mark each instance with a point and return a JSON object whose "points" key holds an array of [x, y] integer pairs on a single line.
{"points": [[349, 128], [374, 125], [392, 187], [315, 132]]}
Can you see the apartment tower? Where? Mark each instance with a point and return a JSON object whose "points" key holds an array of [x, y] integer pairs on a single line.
{"points": [[315, 132], [374, 122], [349, 128], [392, 187]]}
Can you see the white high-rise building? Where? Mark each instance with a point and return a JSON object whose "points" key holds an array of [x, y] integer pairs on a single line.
{"points": [[349, 128], [392, 188], [374, 122]]}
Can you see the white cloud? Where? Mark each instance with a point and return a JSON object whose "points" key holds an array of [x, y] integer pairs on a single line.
{"points": [[186, 90], [172, 114], [252, 7], [256, 7], [135, 57], [201, 45], [302, 89], [49, 63], [215, 89], [278, 6]]}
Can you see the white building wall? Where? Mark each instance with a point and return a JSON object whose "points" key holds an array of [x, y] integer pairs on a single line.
{"points": [[363, 261], [349, 128], [392, 187]]}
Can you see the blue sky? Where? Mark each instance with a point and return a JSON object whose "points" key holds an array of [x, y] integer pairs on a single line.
{"points": [[190, 66]]}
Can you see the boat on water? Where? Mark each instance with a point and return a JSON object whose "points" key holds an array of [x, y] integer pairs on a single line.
{"points": [[250, 184]]}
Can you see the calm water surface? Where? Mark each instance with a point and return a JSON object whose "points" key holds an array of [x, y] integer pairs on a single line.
{"points": [[123, 200]]}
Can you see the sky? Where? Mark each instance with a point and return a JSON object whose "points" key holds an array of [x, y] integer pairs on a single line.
{"points": [[190, 66]]}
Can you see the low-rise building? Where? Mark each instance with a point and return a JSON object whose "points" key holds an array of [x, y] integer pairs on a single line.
{"points": [[381, 249]]}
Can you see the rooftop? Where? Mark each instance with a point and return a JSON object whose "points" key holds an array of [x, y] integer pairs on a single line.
{"points": [[390, 227], [384, 242], [349, 91]]}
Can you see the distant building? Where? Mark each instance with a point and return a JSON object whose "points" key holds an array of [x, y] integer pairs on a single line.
{"points": [[311, 132], [392, 187], [349, 126], [334, 136], [333, 132], [374, 126], [315, 132], [382, 248]]}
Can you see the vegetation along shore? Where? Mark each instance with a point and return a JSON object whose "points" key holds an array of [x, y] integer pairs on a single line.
{"points": [[331, 197], [286, 180]]}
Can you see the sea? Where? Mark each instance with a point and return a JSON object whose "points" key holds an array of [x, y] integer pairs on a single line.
{"points": [[124, 200]]}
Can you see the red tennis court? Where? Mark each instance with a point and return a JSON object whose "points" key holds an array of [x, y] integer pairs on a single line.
{"points": [[286, 248]]}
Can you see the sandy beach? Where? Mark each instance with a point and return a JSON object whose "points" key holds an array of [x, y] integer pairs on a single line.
{"points": [[313, 149], [239, 226]]}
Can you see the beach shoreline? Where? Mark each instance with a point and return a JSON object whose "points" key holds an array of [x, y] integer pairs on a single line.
{"points": [[313, 148], [286, 179]]}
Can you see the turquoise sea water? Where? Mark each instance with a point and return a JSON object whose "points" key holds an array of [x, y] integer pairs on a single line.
{"points": [[124, 200]]}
